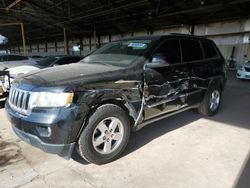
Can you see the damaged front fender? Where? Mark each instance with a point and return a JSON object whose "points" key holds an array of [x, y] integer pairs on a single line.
{"points": [[125, 93]]}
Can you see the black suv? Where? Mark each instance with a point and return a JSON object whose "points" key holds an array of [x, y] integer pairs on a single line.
{"points": [[94, 105]]}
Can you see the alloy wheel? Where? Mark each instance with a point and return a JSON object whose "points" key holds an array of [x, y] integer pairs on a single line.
{"points": [[108, 135]]}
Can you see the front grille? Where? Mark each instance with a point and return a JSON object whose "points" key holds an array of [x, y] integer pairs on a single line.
{"points": [[247, 69], [19, 100]]}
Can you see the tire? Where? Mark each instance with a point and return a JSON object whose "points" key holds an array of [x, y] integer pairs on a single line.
{"points": [[98, 143], [205, 107]]}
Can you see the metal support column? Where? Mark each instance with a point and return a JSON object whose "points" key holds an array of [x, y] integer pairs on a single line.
{"points": [[65, 41], [23, 38], [95, 43]]}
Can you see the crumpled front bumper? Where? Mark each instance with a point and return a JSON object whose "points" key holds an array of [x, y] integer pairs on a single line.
{"points": [[51, 130], [63, 150]]}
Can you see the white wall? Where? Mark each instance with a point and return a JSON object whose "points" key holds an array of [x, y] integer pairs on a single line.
{"points": [[227, 35], [184, 30]]}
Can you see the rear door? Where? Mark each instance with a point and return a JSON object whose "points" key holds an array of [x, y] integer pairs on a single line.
{"points": [[216, 63], [165, 87], [198, 67]]}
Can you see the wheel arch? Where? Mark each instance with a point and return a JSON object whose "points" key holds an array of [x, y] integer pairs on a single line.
{"points": [[219, 80], [122, 103], [128, 108]]}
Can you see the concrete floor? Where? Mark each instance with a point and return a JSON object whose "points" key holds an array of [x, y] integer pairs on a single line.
{"points": [[186, 150]]}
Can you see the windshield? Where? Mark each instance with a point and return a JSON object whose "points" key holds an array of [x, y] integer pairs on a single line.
{"points": [[119, 53], [47, 61]]}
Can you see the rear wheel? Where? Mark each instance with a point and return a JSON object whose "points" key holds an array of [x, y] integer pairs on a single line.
{"points": [[211, 101], [106, 135]]}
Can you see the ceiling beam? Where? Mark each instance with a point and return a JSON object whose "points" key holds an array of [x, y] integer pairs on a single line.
{"points": [[13, 4]]}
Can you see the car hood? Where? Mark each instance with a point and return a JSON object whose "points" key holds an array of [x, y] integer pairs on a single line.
{"points": [[68, 74], [22, 69]]}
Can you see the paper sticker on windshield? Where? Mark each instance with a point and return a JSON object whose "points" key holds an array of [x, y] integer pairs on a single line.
{"points": [[137, 45]]}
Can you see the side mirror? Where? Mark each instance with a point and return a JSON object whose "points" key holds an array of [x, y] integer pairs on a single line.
{"points": [[158, 61]]}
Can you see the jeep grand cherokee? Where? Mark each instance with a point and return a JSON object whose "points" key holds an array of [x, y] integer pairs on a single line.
{"points": [[94, 105]]}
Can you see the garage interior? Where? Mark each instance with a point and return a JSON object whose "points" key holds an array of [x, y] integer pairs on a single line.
{"points": [[54, 27], [187, 150]]}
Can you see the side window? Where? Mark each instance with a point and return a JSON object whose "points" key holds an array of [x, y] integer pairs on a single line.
{"points": [[12, 58], [191, 50], [16, 58], [209, 50], [170, 49], [5, 58]]}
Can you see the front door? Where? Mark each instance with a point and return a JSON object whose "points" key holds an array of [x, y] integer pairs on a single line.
{"points": [[165, 87]]}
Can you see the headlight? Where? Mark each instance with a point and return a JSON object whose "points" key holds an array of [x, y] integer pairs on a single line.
{"points": [[47, 99]]}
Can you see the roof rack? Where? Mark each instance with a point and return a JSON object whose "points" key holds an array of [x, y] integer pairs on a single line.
{"points": [[186, 35]]}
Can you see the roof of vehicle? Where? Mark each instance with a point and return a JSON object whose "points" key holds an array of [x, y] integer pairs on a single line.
{"points": [[157, 37]]}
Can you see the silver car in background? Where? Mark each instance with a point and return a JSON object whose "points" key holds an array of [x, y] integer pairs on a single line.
{"points": [[243, 72], [7, 63]]}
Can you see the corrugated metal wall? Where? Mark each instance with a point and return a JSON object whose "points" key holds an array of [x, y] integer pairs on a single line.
{"points": [[225, 34], [228, 35]]}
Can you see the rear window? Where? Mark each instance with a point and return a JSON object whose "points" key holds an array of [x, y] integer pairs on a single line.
{"points": [[3, 58], [209, 50], [191, 50]]}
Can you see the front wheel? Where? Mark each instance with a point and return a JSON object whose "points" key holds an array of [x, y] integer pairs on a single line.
{"points": [[211, 101], [105, 136]]}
